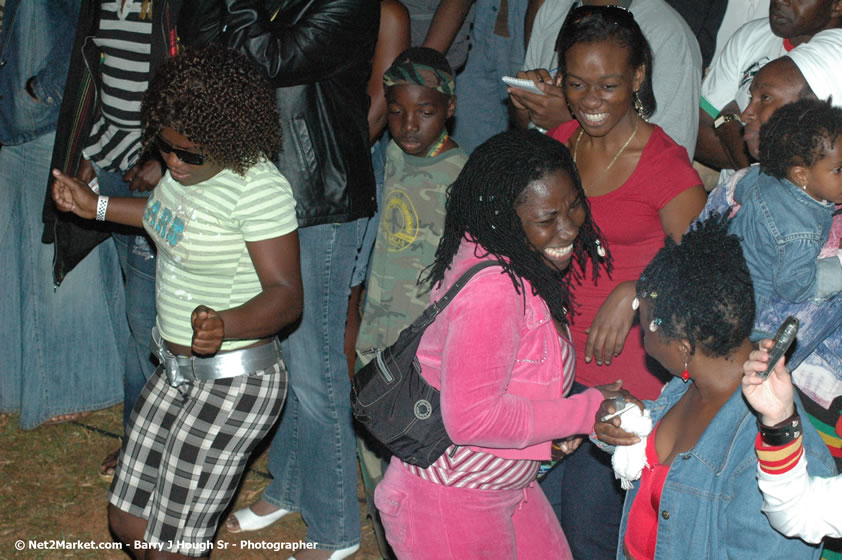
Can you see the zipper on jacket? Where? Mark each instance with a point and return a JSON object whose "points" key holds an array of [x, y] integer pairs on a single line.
{"points": [[91, 72]]}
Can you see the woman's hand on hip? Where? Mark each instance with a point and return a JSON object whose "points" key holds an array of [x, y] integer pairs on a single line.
{"points": [[208, 331]]}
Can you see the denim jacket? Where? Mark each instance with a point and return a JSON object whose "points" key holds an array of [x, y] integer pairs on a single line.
{"points": [[782, 230], [35, 42], [710, 504], [819, 332]]}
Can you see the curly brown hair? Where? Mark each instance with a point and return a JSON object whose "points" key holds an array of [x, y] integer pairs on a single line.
{"points": [[218, 99]]}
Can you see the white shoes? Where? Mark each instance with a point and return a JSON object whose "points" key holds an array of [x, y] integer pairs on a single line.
{"points": [[250, 521], [339, 554], [247, 520]]}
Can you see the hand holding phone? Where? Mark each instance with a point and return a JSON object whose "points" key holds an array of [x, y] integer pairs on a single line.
{"points": [[621, 406], [783, 340]]}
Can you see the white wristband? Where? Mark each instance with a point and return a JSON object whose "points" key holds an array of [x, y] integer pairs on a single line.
{"points": [[101, 207]]}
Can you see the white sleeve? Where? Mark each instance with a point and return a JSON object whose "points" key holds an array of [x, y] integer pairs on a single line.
{"points": [[723, 80], [676, 81], [540, 52], [800, 505]]}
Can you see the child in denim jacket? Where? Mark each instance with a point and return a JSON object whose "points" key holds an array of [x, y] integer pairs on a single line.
{"points": [[788, 205]]}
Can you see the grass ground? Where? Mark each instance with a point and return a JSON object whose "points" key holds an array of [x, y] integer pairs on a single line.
{"points": [[50, 491]]}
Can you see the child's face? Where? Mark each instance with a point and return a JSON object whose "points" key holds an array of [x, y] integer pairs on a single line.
{"points": [[185, 173], [416, 116], [824, 178]]}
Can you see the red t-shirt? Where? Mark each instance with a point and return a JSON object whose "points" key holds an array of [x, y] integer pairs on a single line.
{"points": [[631, 224], [642, 522]]}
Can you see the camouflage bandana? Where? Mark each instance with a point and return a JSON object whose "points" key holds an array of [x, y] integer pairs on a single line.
{"points": [[404, 71]]}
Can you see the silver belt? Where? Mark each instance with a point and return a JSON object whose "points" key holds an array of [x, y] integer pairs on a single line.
{"points": [[181, 369]]}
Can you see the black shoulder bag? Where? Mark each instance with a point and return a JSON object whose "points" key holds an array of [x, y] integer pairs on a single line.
{"points": [[393, 403]]}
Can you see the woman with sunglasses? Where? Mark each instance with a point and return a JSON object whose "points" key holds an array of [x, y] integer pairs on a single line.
{"points": [[642, 188], [228, 279]]}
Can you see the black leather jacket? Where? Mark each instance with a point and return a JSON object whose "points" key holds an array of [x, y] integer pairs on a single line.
{"points": [[317, 54]]}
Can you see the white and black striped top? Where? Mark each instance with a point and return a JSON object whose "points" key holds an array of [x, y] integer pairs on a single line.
{"points": [[125, 38]]}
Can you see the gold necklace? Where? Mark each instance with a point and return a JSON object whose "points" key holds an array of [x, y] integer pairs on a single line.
{"points": [[617, 155]]}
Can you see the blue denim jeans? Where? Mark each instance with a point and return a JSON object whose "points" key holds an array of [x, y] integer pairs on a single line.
{"points": [[62, 348], [137, 259], [313, 455], [363, 260], [482, 104]]}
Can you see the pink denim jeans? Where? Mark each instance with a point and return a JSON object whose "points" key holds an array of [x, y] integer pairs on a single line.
{"points": [[424, 520]]}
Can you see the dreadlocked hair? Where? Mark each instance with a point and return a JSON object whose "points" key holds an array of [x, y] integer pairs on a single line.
{"points": [[798, 133], [482, 205], [218, 99], [701, 290]]}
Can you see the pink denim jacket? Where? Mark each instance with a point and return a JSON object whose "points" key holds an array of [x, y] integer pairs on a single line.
{"points": [[499, 367]]}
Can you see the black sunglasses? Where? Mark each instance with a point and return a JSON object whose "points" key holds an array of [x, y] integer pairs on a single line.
{"points": [[190, 158]]}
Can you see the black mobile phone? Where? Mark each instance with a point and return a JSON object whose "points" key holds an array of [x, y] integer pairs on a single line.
{"points": [[783, 340]]}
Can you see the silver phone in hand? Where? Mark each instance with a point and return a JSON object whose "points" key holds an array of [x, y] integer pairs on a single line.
{"points": [[783, 340], [620, 407]]}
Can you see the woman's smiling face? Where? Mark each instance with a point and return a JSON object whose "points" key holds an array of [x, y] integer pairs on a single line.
{"points": [[599, 85], [551, 214]]}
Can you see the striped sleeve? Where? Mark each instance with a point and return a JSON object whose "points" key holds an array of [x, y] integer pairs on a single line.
{"points": [[778, 459], [266, 208]]}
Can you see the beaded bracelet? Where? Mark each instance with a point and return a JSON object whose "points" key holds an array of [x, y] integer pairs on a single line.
{"points": [[782, 432]]}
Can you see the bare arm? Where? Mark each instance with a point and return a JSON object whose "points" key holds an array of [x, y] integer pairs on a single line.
{"points": [[72, 195], [681, 210], [276, 262], [392, 39], [721, 148], [448, 19], [531, 9], [612, 323]]}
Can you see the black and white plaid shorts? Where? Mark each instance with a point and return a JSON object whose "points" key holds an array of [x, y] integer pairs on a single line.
{"points": [[186, 450]]}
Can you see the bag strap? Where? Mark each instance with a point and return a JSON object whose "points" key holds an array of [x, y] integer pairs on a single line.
{"points": [[429, 315]]}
